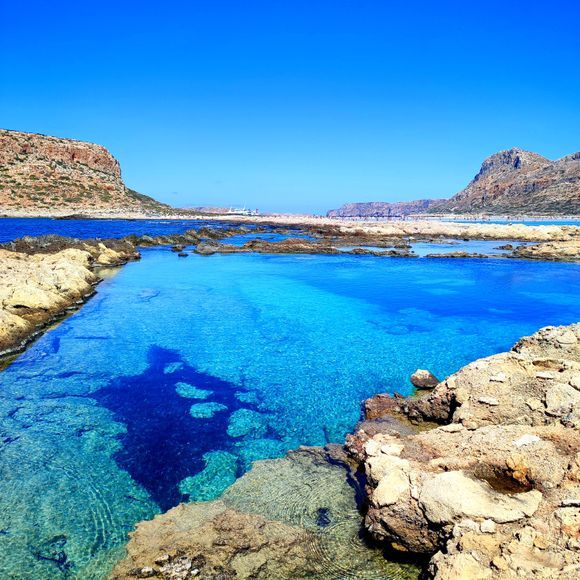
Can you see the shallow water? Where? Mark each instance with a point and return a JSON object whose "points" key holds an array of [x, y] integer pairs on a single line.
{"points": [[489, 247], [241, 239], [526, 222], [422, 249], [101, 421]]}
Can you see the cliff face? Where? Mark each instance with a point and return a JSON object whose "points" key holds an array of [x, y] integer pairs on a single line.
{"points": [[382, 208], [42, 174], [520, 182]]}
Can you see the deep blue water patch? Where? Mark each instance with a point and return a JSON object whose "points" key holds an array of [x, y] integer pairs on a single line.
{"points": [[163, 443]]}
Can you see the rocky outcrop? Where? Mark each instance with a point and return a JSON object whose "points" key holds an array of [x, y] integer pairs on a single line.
{"points": [[294, 517], [423, 379], [555, 251], [520, 182], [494, 491], [45, 278], [511, 182], [382, 209], [48, 175]]}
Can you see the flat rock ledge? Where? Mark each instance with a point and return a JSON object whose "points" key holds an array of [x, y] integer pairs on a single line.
{"points": [[287, 518], [493, 491], [36, 287]]}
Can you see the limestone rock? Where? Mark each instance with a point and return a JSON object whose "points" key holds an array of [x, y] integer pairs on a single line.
{"points": [[494, 491], [452, 496], [53, 274], [54, 176], [423, 379]]}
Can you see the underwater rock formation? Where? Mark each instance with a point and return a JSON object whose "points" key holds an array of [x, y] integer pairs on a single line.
{"points": [[494, 492], [287, 518]]}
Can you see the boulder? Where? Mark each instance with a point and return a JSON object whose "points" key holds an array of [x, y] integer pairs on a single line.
{"points": [[423, 379]]}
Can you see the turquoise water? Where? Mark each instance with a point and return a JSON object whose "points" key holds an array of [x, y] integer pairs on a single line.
{"points": [[489, 247], [179, 373], [241, 239], [422, 249]]}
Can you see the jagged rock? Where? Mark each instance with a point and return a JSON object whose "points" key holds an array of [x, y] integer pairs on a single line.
{"points": [[495, 491], [207, 248], [423, 379], [517, 181]]}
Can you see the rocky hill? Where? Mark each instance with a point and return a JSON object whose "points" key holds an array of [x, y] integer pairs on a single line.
{"points": [[511, 182], [48, 175], [382, 209], [520, 182]]}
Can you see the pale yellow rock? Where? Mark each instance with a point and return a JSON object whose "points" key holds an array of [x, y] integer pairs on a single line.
{"points": [[391, 487], [447, 497], [382, 464]]}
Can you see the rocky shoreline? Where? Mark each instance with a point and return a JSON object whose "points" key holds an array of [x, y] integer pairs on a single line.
{"points": [[493, 491], [480, 476], [43, 278]]}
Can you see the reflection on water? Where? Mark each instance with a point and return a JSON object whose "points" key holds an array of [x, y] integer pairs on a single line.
{"points": [[100, 421]]}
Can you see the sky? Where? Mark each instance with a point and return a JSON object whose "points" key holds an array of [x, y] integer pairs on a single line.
{"points": [[295, 105]]}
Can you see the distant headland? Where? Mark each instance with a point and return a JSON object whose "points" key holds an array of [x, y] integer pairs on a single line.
{"points": [[55, 177]]}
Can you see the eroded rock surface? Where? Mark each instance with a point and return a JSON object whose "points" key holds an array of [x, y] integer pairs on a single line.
{"points": [[294, 517], [46, 278], [423, 379], [494, 491], [50, 175], [558, 251]]}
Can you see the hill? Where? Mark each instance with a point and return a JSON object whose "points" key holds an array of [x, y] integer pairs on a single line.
{"points": [[47, 175], [520, 182], [511, 182], [372, 209]]}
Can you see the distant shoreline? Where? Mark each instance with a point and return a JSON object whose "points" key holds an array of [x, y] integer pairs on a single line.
{"points": [[291, 218]]}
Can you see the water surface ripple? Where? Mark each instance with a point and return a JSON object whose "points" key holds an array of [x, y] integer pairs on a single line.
{"points": [[180, 373]]}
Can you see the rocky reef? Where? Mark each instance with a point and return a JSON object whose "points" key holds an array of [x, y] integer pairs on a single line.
{"points": [[43, 278], [493, 491]]}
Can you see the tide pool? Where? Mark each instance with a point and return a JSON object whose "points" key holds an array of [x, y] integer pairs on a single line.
{"points": [[180, 373]]}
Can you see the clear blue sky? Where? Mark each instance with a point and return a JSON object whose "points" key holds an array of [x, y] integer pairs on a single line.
{"points": [[295, 104]]}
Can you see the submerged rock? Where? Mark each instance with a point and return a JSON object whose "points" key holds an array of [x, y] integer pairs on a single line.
{"points": [[219, 473], [287, 518], [206, 410]]}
